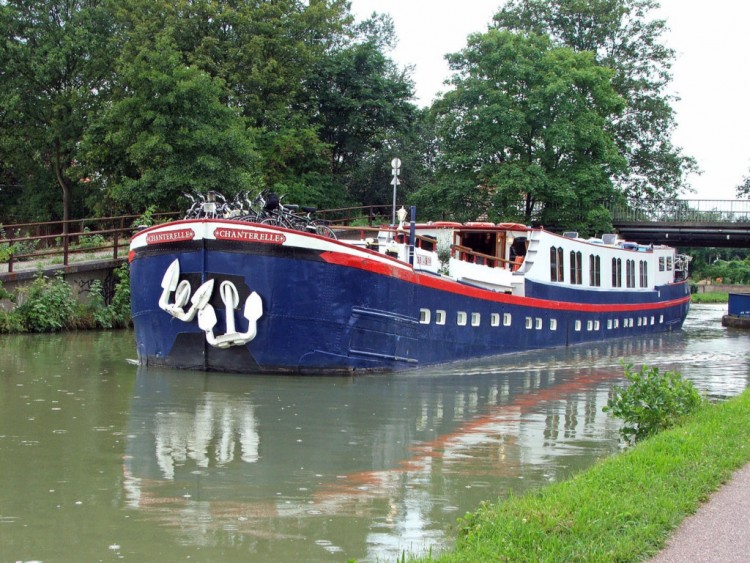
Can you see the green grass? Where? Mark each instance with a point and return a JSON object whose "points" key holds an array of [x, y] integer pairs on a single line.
{"points": [[622, 509], [712, 297]]}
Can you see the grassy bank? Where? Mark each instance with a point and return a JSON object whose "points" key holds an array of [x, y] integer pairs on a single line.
{"points": [[622, 509], [713, 297]]}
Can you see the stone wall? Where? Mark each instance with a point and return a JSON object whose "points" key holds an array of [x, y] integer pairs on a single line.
{"points": [[79, 276]]}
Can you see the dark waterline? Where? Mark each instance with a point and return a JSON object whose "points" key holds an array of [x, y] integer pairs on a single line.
{"points": [[102, 460]]}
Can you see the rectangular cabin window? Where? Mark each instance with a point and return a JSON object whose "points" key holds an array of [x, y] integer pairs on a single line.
{"points": [[661, 319], [461, 318], [494, 319], [596, 325], [573, 266], [589, 326], [630, 273], [669, 263], [476, 319], [652, 321], [644, 273], [529, 322], [609, 324], [616, 272], [538, 323], [576, 268], [553, 324], [578, 326], [439, 317], [553, 264], [595, 275], [424, 316], [560, 265], [661, 263], [507, 319], [617, 323]]}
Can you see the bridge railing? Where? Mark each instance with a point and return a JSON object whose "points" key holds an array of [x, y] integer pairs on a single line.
{"points": [[686, 211]]}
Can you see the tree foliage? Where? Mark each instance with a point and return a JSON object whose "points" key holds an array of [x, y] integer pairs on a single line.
{"points": [[525, 122], [123, 104], [170, 132], [743, 190], [624, 36], [115, 105], [55, 59]]}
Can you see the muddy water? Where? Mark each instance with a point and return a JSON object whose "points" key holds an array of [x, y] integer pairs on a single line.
{"points": [[102, 460]]}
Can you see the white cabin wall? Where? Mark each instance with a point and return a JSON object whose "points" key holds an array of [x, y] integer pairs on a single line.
{"points": [[539, 266]]}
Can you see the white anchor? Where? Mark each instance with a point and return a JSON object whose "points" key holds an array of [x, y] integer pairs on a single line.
{"points": [[252, 312], [169, 284], [206, 314]]}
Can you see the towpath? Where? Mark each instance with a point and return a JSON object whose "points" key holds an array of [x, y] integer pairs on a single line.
{"points": [[719, 531]]}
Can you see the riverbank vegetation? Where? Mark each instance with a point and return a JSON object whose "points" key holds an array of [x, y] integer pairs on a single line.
{"points": [[622, 509], [49, 305], [720, 265], [710, 297]]}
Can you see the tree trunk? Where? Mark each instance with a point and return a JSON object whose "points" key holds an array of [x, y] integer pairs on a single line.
{"points": [[66, 186]]}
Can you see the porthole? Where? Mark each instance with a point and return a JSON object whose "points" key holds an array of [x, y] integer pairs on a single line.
{"points": [[424, 316]]}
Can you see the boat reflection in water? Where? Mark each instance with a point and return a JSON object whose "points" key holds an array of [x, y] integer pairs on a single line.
{"points": [[363, 467]]}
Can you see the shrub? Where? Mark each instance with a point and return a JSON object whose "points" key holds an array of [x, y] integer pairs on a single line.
{"points": [[119, 308], [86, 240], [117, 313], [47, 305], [652, 402], [10, 322]]}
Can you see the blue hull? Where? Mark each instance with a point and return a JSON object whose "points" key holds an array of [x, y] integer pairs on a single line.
{"points": [[322, 314]]}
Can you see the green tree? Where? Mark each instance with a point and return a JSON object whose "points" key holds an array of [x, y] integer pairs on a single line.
{"points": [[361, 107], [525, 122], [171, 132], [55, 62], [624, 37]]}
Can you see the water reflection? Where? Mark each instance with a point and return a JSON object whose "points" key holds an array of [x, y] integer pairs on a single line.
{"points": [[369, 466]]}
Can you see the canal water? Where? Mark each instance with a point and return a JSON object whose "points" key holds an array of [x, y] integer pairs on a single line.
{"points": [[103, 460]]}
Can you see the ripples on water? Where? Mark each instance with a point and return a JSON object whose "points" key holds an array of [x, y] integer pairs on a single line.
{"points": [[101, 458]]}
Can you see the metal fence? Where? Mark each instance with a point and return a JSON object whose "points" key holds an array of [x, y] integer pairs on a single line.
{"points": [[103, 236]]}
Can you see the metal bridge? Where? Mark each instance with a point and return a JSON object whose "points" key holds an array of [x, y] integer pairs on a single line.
{"points": [[686, 222]]}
